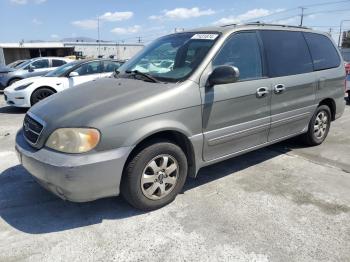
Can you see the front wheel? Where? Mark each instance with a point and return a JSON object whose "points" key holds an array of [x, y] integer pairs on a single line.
{"points": [[154, 176], [40, 94], [319, 126]]}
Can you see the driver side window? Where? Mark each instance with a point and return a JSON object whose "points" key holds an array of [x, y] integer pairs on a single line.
{"points": [[242, 51], [43, 63], [89, 68]]}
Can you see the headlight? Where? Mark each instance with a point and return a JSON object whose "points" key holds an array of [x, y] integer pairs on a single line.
{"points": [[21, 87], [74, 140]]}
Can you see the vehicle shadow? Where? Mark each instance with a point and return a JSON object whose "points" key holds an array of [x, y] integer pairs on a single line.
{"points": [[29, 208], [12, 110]]}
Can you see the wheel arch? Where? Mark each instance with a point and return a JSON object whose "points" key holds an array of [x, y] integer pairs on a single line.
{"points": [[331, 104], [175, 136], [13, 78]]}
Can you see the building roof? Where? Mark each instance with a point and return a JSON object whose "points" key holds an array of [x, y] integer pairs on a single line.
{"points": [[62, 44]]}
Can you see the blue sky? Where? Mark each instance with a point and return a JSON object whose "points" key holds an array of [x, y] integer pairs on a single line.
{"points": [[127, 20]]}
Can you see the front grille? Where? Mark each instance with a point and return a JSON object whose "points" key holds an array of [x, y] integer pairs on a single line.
{"points": [[31, 129]]}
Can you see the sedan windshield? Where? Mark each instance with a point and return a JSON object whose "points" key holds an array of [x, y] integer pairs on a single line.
{"points": [[172, 58], [62, 70]]}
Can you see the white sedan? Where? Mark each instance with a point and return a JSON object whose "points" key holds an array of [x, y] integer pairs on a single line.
{"points": [[27, 92]]}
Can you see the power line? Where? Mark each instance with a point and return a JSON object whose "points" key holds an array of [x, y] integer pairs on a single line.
{"points": [[326, 3]]}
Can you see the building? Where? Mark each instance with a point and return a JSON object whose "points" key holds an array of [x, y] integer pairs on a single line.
{"points": [[10, 52], [346, 39]]}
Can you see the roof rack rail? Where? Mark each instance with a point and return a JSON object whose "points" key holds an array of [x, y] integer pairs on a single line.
{"points": [[267, 24]]}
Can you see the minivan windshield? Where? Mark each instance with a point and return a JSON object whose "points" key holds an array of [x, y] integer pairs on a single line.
{"points": [[62, 70], [172, 58]]}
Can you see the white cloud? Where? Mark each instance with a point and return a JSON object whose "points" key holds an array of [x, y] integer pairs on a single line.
{"points": [[36, 21], [24, 2], [106, 17], [249, 15], [126, 30], [19, 2], [86, 24], [182, 13], [116, 16]]}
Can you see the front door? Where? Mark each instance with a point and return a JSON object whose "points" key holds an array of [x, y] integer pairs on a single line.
{"points": [[293, 82], [236, 116]]}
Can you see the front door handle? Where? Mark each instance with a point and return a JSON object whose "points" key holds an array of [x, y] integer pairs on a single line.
{"points": [[280, 88], [262, 91]]}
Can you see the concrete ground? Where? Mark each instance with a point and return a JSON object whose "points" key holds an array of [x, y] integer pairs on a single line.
{"points": [[281, 203]]}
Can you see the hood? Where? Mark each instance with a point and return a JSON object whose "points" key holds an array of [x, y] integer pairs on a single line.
{"points": [[6, 69], [21, 82], [110, 101]]}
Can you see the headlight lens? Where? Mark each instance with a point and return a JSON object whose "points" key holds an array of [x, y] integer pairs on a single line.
{"points": [[74, 140], [21, 87]]}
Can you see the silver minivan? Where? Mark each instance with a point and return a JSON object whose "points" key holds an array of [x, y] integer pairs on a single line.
{"points": [[186, 101]]}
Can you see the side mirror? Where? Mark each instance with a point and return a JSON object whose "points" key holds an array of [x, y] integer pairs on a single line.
{"points": [[73, 74], [31, 68], [223, 75]]}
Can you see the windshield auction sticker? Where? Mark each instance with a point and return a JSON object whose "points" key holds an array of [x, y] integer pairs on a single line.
{"points": [[205, 36]]}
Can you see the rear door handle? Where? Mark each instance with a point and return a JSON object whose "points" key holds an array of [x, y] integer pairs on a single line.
{"points": [[262, 91], [280, 88]]}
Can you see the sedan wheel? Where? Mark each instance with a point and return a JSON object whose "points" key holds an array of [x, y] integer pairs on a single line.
{"points": [[40, 94]]}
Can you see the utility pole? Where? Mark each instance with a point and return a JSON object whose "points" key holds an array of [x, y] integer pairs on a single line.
{"points": [[98, 36], [330, 31], [302, 15], [139, 39]]}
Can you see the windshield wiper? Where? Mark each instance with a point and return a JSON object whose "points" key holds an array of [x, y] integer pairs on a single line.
{"points": [[145, 75]]}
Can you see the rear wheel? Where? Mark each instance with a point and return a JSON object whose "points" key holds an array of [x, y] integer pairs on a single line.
{"points": [[154, 176], [319, 126], [40, 94], [348, 100]]}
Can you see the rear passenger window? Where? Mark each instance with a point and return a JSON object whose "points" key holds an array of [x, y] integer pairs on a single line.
{"points": [[323, 52], [57, 63], [242, 51], [287, 53]]}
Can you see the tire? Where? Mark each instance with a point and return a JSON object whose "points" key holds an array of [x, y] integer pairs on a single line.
{"points": [[348, 99], [319, 126], [148, 182], [40, 94], [13, 81]]}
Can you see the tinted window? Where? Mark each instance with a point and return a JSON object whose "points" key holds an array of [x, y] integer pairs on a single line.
{"points": [[110, 66], [89, 68], [242, 51], [287, 53], [57, 63], [323, 52], [43, 63]]}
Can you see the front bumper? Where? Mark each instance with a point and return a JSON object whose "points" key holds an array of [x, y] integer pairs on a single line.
{"points": [[16, 98], [78, 178]]}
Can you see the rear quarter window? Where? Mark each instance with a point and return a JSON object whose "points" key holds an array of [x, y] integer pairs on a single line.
{"points": [[323, 51]]}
